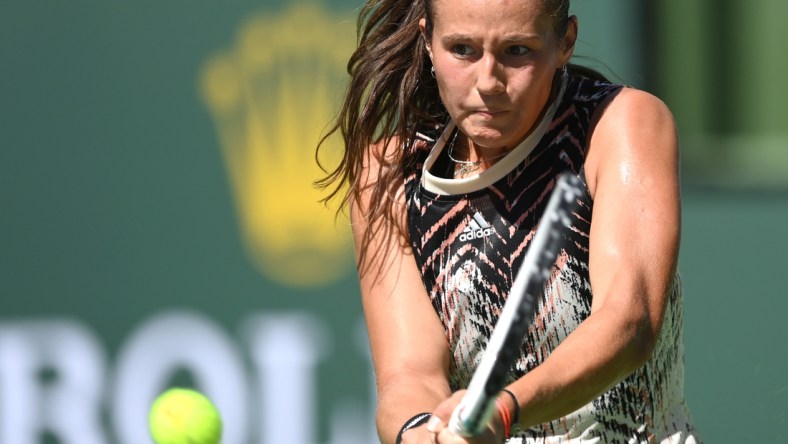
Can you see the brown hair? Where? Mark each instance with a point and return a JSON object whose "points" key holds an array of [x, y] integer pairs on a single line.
{"points": [[391, 93]]}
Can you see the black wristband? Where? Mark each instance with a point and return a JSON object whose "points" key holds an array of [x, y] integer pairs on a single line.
{"points": [[416, 421], [516, 414]]}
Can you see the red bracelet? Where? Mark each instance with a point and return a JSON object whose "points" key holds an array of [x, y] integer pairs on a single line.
{"points": [[506, 417]]}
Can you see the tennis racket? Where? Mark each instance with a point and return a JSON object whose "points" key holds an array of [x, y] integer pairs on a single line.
{"points": [[470, 417]]}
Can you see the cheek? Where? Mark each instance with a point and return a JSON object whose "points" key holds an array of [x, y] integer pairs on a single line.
{"points": [[454, 85], [531, 85], [522, 88]]}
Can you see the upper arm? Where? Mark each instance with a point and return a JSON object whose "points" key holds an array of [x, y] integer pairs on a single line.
{"points": [[406, 336], [632, 170]]}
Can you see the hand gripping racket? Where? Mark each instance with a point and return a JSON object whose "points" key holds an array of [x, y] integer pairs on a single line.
{"points": [[476, 407]]}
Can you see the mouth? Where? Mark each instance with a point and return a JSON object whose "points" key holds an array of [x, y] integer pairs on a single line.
{"points": [[489, 113]]}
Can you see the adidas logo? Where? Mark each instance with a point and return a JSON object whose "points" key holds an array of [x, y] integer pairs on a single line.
{"points": [[476, 229]]}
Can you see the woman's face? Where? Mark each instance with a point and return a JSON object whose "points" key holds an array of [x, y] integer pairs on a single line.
{"points": [[494, 63]]}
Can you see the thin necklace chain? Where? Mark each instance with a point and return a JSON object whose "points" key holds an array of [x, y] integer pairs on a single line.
{"points": [[467, 167]]}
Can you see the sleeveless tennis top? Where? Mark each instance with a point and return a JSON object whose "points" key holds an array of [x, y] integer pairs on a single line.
{"points": [[469, 237]]}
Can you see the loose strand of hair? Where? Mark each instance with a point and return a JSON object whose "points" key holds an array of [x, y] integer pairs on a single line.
{"points": [[379, 108]]}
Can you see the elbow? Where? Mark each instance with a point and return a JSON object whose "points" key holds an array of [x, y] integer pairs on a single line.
{"points": [[640, 324], [636, 338], [645, 344], [643, 341]]}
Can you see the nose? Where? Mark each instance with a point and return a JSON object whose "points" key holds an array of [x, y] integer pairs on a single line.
{"points": [[490, 76]]}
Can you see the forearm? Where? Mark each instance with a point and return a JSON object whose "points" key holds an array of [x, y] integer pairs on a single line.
{"points": [[403, 396], [602, 351]]}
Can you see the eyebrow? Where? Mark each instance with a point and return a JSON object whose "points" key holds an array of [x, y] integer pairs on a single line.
{"points": [[452, 38], [521, 37]]}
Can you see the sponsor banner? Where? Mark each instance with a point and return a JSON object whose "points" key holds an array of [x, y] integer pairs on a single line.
{"points": [[56, 378]]}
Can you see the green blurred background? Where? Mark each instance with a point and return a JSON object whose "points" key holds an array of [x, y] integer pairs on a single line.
{"points": [[158, 227]]}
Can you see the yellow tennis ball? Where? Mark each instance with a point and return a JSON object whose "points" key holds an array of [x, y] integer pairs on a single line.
{"points": [[184, 416]]}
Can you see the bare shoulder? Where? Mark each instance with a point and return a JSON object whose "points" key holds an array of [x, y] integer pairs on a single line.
{"points": [[638, 108], [382, 151], [380, 188], [376, 160], [635, 130], [637, 97]]}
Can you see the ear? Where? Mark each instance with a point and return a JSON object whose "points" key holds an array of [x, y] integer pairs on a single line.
{"points": [[423, 30], [568, 41]]}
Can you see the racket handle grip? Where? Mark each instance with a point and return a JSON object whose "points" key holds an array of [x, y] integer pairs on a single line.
{"points": [[469, 419]]}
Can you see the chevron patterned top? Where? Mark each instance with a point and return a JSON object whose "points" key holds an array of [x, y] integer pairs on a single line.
{"points": [[469, 237]]}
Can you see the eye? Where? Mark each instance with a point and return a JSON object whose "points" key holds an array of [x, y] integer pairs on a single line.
{"points": [[462, 50], [518, 50]]}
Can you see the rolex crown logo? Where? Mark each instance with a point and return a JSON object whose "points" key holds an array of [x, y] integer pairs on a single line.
{"points": [[271, 97]]}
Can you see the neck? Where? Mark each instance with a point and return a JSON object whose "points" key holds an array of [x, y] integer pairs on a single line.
{"points": [[479, 153], [470, 159]]}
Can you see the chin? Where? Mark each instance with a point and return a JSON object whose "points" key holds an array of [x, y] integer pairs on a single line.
{"points": [[488, 136]]}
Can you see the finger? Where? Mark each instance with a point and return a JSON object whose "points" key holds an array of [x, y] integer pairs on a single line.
{"points": [[446, 436], [435, 424], [445, 409]]}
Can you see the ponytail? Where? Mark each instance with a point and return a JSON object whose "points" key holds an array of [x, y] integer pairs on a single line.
{"points": [[390, 93]]}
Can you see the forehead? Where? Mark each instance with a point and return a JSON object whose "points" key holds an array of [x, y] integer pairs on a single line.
{"points": [[521, 15]]}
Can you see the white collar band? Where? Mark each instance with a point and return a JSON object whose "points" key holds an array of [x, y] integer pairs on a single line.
{"points": [[496, 172]]}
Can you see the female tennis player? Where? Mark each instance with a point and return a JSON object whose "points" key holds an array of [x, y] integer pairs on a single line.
{"points": [[459, 117]]}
